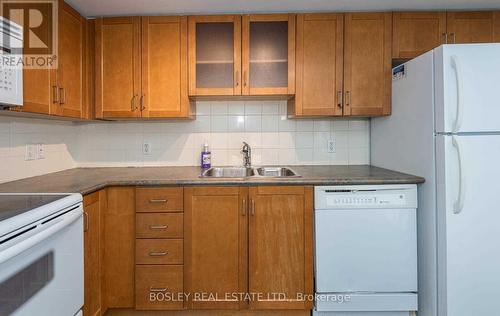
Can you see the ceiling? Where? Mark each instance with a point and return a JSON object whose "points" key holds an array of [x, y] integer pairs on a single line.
{"points": [[91, 8]]}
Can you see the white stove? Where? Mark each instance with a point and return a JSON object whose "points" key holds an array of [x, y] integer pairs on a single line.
{"points": [[41, 254]]}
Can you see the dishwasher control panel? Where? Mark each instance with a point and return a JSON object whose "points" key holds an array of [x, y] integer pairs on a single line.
{"points": [[365, 200], [387, 196]]}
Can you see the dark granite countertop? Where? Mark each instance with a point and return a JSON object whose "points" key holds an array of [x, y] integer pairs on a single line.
{"points": [[87, 180]]}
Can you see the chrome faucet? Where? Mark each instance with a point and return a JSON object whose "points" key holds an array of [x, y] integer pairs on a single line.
{"points": [[247, 155]]}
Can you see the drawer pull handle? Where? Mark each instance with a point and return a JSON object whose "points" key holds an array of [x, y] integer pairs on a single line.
{"points": [[156, 289], [158, 201], [158, 253], [158, 226]]}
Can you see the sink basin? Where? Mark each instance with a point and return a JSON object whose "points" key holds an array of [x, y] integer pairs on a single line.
{"points": [[280, 172], [242, 172], [228, 172]]}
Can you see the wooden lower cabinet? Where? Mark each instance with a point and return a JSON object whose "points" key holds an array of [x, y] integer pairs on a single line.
{"points": [[159, 249], [119, 248], [280, 263], [258, 243], [94, 207], [158, 286], [228, 250], [215, 227]]}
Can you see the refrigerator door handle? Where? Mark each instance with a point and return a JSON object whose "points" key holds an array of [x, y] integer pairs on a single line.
{"points": [[459, 203], [455, 64]]}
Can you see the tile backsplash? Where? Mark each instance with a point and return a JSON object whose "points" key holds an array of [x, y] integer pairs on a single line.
{"points": [[224, 125], [274, 139], [59, 140]]}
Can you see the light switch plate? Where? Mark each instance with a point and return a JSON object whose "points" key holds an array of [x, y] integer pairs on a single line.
{"points": [[30, 152], [40, 151]]}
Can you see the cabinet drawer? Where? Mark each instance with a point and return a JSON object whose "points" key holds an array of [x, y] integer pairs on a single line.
{"points": [[155, 284], [159, 251], [159, 200], [159, 225]]}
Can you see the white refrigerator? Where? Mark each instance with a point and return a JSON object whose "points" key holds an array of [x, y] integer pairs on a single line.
{"points": [[445, 126]]}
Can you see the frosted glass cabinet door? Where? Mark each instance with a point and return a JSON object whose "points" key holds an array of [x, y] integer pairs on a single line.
{"points": [[268, 54], [214, 55]]}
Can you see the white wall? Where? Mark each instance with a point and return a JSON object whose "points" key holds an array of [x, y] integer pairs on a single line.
{"points": [[59, 139], [263, 124], [224, 125]]}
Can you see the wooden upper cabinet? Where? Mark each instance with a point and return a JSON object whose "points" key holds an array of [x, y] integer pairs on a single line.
{"points": [[118, 67], [496, 25], [367, 64], [214, 55], [164, 67], [319, 53], [471, 27], [415, 33], [268, 54], [280, 246], [215, 220], [39, 85], [71, 65]]}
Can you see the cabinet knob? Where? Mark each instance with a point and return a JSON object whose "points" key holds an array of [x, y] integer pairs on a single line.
{"points": [[157, 289], [158, 226], [62, 96], [158, 200], [158, 253], [445, 37], [142, 103], [55, 94], [133, 104]]}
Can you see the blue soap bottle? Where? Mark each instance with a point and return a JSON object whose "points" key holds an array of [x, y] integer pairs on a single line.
{"points": [[206, 157]]}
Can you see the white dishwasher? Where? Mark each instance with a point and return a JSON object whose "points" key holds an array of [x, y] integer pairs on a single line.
{"points": [[365, 250]]}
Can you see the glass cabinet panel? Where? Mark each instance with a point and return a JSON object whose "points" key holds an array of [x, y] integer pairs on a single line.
{"points": [[214, 55], [268, 54]]}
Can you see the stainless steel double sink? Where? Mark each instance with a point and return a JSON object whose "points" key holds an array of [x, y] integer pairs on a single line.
{"points": [[243, 172]]}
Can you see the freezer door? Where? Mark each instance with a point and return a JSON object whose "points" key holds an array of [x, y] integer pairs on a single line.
{"points": [[468, 225], [366, 250], [467, 79]]}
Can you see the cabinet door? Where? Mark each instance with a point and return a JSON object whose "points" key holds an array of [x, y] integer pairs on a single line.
{"points": [[119, 248], [367, 64], [268, 54], [164, 67], [39, 85], [280, 246], [417, 32], [118, 67], [496, 25], [215, 233], [470, 27], [320, 44], [214, 55], [93, 207], [71, 62]]}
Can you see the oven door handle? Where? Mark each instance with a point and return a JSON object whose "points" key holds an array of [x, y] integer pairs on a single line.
{"points": [[31, 241]]}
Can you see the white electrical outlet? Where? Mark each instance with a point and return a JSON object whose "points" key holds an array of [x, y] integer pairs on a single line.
{"points": [[40, 151], [30, 152], [146, 148], [331, 146]]}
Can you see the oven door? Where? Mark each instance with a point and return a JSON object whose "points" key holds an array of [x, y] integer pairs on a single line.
{"points": [[41, 270]]}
